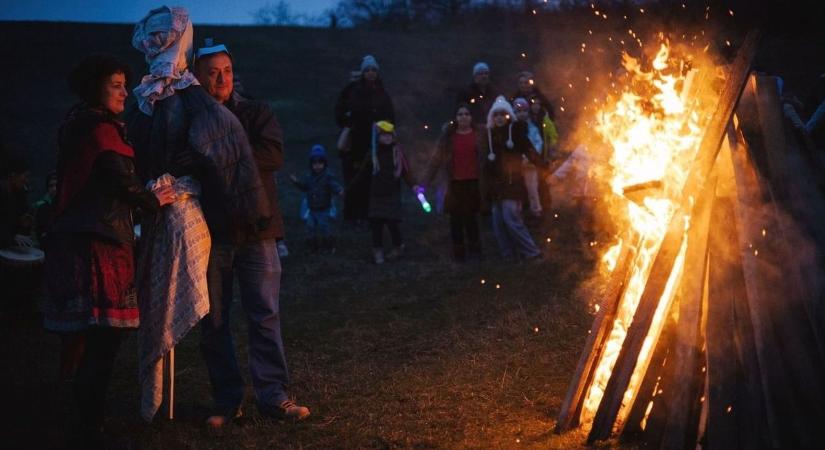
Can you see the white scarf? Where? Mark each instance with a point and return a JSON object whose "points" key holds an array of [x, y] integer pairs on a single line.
{"points": [[165, 37]]}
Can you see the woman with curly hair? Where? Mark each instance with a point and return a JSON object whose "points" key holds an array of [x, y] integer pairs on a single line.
{"points": [[90, 264]]}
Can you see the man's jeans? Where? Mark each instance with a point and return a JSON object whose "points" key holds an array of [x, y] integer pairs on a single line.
{"points": [[258, 268], [511, 234]]}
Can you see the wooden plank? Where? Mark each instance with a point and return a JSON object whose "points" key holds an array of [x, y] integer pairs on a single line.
{"points": [[697, 178], [736, 405], [673, 424], [570, 410], [638, 330], [723, 369], [789, 361]]}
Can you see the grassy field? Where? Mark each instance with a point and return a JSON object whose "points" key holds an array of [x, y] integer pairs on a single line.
{"points": [[420, 353]]}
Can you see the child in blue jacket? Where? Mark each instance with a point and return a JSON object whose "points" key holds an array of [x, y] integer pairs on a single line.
{"points": [[319, 186]]}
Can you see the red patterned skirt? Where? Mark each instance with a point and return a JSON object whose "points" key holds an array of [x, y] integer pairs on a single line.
{"points": [[91, 282]]}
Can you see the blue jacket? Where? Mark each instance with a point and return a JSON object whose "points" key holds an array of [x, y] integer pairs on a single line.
{"points": [[319, 189]]}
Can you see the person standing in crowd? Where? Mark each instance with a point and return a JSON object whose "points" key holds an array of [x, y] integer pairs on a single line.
{"points": [[43, 209], [459, 153], [361, 104], [89, 267], [529, 171], [479, 94], [527, 89], [254, 260], [320, 186], [507, 144], [258, 120], [388, 166], [14, 222]]}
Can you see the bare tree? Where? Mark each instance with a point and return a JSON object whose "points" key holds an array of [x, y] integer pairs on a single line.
{"points": [[274, 14]]}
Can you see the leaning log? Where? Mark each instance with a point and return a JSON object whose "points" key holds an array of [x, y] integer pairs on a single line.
{"points": [[571, 407]]}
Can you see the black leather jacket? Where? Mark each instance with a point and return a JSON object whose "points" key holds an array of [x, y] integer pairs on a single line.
{"points": [[103, 206]]}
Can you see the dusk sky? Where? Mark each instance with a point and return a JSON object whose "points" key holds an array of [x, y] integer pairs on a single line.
{"points": [[202, 11]]}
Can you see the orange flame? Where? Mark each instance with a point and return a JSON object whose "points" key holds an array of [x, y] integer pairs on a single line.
{"points": [[653, 130]]}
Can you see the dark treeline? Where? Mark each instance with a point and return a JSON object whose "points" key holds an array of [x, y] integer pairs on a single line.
{"points": [[794, 17]]}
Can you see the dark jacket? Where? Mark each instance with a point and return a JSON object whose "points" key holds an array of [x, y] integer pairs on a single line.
{"points": [[504, 174], [385, 189], [101, 204], [319, 188], [190, 133], [359, 106], [480, 101], [266, 138]]}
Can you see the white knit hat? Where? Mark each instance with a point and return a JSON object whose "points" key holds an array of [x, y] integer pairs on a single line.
{"points": [[369, 61], [501, 104]]}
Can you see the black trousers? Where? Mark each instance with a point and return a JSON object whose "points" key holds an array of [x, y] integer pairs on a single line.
{"points": [[357, 189], [464, 224], [377, 227], [93, 375]]}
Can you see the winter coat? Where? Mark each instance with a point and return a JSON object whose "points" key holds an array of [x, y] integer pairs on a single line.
{"points": [[480, 101], [319, 188], [190, 133], [97, 187], [504, 174], [442, 159], [385, 189], [359, 106], [266, 138]]}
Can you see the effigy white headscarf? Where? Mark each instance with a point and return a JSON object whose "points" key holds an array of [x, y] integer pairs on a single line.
{"points": [[165, 37]]}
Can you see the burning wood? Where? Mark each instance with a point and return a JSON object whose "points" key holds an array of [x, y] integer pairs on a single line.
{"points": [[666, 146]]}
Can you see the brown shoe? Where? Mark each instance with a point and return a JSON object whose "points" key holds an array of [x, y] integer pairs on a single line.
{"points": [[218, 421], [288, 409]]}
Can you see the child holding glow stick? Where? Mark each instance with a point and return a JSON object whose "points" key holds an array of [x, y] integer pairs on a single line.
{"points": [[388, 167], [459, 153]]}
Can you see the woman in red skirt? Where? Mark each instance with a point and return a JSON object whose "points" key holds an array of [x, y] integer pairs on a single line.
{"points": [[90, 251]]}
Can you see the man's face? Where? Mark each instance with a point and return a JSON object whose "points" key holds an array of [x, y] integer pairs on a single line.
{"points": [[215, 75], [535, 107], [523, 115], [500, 118], [482, 77]]}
